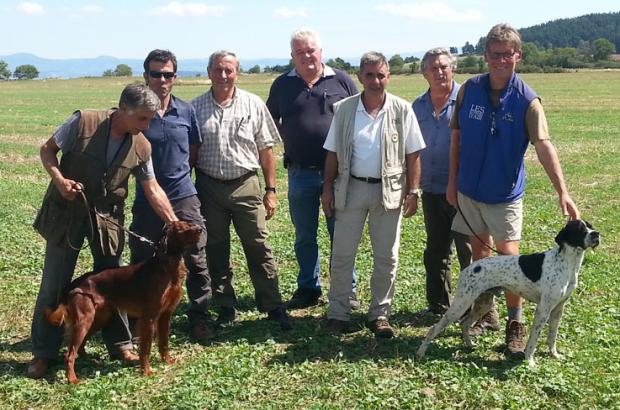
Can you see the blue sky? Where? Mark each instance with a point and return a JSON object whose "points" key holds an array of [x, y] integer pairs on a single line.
{"points": [[257, 29]]}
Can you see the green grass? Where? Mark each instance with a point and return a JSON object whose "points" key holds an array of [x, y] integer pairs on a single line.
{"points": [[253, 365]]}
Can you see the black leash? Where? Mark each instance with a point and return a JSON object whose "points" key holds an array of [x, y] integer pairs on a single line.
{"points": [[458, 207], [80, 191]]}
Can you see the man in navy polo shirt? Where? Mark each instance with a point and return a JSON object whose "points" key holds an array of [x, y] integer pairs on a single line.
{"points": [[174, 136], [301, 104]]}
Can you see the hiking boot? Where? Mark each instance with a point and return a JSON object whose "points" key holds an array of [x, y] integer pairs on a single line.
{"points": [[280, 316], [227, 316], [335, 326], [37, 367], [514, 339], [490, 321], [202, 332], [354, 304], [126, 356], [381, 328], [304, 298]]}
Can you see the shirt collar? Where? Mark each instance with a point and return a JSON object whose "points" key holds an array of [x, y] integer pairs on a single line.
{"points": [[453, 94], [327, 72], [361, 108]]}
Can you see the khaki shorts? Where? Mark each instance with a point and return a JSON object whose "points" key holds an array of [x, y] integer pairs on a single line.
{"points": [[502, 221]]}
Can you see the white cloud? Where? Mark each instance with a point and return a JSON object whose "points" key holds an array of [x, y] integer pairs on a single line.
{"points": [[92, 9], [439, 12], [30, 8], [287, 13], [179, 9]]}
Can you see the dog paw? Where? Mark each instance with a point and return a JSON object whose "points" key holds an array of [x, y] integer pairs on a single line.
{"points": [[531, 362], [556, 355], [168, 360], [147, 372]]}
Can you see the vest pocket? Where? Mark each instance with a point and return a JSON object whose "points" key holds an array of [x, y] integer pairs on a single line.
{"points": [[110, 236]]}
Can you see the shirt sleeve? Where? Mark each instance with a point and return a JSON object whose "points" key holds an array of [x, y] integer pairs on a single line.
{"points": [[267, 135], [195, 138], [454, 121], [413, 135], [536, 122], [145, 171], [66, 134]]}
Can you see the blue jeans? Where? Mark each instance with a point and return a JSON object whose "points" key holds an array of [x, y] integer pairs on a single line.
{"points": [[304, 194]]}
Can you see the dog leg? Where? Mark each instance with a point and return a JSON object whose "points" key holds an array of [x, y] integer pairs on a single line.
{"points": [[554, 324], [541, 317], [481, 306], [83, 314], [163, 334], [147, 327], [457, 309]]}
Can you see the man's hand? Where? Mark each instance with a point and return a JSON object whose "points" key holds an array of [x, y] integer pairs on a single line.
{"points": [[68, 188], [269, 200], [569, 208], [327, 202], [410, 206]]}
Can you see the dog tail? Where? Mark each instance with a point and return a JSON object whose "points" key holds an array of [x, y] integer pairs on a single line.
{"points": [[56, 317]]}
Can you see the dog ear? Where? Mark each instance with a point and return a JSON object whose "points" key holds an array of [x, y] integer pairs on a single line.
{"points": [[560, 238]]}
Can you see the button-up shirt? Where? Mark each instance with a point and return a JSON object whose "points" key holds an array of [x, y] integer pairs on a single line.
{"points": [[233, 134], [435, 158]]}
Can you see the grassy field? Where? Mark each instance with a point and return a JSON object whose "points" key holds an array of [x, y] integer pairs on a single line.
{"points": [[254, 365]]}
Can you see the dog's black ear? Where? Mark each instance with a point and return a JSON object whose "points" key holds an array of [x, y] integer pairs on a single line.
{"points": [[560, 238]]}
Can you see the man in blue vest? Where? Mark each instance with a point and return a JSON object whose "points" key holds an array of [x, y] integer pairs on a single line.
{"points": [[496, 117], [175, 137]]}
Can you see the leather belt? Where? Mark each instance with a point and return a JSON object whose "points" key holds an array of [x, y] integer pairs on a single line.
{"points": [[234, 180], [369, 180]]}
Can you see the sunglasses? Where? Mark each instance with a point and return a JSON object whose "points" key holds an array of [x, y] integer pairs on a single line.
{"points": [[159, 74]]}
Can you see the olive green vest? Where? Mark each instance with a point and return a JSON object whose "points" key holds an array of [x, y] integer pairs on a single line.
{"points": [[60, 220], [393, 161]]}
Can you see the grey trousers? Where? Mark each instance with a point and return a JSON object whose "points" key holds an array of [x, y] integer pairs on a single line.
{"points": [[58, 270]]}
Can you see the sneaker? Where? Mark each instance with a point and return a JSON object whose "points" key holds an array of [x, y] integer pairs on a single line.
{"points": [[354, 304], [335, 326], [304, 298], [37, 367], [280, 316], [514, 339], [227, 316], [381, 328], [490, 321], [202, 332]]}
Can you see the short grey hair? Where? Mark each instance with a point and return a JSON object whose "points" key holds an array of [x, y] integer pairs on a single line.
{"points": [[437, 52], [222, 54], [305, 34], [373, 58], [138, 97]]}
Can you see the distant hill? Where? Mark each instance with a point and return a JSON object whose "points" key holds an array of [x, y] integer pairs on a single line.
{"points": [[570, 32]]}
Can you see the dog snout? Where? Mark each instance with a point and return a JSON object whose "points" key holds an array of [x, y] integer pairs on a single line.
{"points": [[595, 238]]}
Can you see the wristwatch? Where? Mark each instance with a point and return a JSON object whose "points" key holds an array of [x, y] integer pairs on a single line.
{"points": [[270, 189], [417, 192]]}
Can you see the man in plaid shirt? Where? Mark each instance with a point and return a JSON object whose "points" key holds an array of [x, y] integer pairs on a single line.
{"points": [[238, 137]]}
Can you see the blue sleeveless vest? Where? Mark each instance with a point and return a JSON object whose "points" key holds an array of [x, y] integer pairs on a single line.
{"points": [[493, 141]]}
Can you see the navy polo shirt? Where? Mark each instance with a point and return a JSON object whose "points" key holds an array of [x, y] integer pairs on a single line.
{"points": [[435, 158], [170, 137], [305, 114]]}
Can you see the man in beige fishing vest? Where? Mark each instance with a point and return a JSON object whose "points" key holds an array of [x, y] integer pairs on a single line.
{"points": [[100, 150], [372, 169]]}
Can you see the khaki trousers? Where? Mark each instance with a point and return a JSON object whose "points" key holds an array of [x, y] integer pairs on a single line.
{"points": [[364, 202]]}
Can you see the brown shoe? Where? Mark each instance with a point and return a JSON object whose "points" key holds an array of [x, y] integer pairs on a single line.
{"points": [[490, 321], [381, 328], [37, 367], [335, 326], [514, 339], [202, 332]]}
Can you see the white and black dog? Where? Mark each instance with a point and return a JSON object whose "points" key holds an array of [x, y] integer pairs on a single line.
{"points": [[544, 278]]}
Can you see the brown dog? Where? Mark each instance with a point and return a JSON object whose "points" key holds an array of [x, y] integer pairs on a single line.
{"points": [[148, 290]]}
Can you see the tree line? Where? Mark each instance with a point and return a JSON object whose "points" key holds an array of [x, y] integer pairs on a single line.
{"points": [[22, 72]]}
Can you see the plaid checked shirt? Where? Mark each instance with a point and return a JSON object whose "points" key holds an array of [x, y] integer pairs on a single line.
{"points": [[233, 135]]}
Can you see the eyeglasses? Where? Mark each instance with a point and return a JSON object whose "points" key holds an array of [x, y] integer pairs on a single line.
{"points": [[159, 74], [508, 55]]}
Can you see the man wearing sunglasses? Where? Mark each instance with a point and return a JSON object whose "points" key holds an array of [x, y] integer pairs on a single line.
{"points": [[174, 136], [496, 117]]}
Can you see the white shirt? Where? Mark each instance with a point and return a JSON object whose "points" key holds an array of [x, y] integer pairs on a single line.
{"points": [[366, 156]]}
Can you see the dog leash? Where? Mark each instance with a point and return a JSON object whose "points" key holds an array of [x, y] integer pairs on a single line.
{"points": [[80, 191], [458, 207]]}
